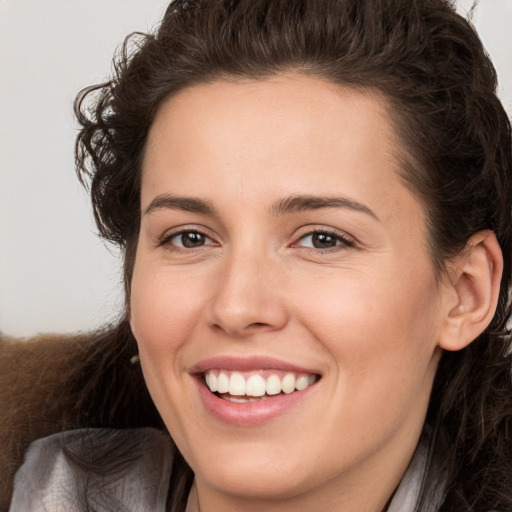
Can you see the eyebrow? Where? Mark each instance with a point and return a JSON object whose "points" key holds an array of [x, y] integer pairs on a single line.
{"points": [[188, 204], [294, 204], [291, 204]]}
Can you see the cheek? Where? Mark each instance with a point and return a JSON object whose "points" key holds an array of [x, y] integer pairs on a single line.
{"points": [[163, 309], [163, 317], [385, 362], [381, 327]]}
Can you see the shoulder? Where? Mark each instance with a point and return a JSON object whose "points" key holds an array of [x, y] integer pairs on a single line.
{"points": [[55, 383], [107, 469], [31, 396]]}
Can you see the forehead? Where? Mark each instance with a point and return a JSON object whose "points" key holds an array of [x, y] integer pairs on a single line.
{"points": [[233, 117], [274, 137], [300, 107]]}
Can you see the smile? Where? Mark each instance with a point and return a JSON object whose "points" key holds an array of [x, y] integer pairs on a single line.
{"points": [[254, 390], [256, 385]]}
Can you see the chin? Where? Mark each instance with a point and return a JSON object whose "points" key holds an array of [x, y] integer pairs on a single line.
{"points": [[256, 482]]}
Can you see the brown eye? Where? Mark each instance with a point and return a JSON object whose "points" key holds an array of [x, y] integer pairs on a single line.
{"points": [[324, 240], [189, 239]]}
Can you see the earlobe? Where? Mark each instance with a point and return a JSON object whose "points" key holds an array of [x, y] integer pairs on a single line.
{"points": [[474, 290]]}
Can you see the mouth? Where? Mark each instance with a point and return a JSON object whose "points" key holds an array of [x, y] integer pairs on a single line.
{"points": [[255, 386], [252, 391]]}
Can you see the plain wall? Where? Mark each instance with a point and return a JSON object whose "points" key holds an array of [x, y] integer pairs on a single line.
{"points": [[55, 274]]}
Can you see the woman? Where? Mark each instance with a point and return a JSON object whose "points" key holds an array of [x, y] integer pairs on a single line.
{"points": [[314, 202]]}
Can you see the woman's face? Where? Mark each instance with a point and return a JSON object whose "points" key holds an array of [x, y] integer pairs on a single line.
{"points": [[279, 249]]}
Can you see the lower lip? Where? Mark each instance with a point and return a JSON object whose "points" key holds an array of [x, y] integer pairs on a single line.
{"points": [[250, 413]]}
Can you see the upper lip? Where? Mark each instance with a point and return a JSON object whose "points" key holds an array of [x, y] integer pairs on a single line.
{"points": [[246, 364]]}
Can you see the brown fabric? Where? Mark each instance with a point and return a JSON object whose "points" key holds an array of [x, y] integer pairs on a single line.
{"points": [[53, 383], [32, 403]]}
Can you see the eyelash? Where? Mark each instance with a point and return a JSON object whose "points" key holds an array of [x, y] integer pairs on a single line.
{"points": [[341, 241], [166, 240]]}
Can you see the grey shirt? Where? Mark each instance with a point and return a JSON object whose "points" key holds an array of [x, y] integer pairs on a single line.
{"points": [[49, 481]]}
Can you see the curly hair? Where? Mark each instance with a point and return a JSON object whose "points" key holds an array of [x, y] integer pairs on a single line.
{"points": [[455, 138]]}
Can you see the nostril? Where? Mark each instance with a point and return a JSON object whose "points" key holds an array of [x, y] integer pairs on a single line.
{"points": [[240, 319], [243, 330]]}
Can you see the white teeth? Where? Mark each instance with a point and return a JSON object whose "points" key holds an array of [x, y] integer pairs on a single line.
{"points": [[222, 383], [288, 383], [211, 381], [236, 384], [237, 400], [240, 400], [256, 386], [301, 382], [273, 385]]}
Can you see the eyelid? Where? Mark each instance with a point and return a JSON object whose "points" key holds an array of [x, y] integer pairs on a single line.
{"points": [[345, 239], [179, 230]]}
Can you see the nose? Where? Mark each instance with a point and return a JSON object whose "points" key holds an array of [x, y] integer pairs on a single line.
{"points": [[248, 296]]}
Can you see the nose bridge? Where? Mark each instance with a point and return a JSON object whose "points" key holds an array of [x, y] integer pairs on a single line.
{"points": [[247, 297]]}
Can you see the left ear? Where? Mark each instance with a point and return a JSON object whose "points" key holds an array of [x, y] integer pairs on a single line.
{"points": [[472, 291]]}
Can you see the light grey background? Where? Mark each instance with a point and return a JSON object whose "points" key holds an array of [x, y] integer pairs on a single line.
{"points": [[55, 274]]}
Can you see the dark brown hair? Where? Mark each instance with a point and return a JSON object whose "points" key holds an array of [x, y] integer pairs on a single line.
{"points": [[430, 66]]}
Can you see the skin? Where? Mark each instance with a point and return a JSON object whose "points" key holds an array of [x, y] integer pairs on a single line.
{"points": [[368, 315]]}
